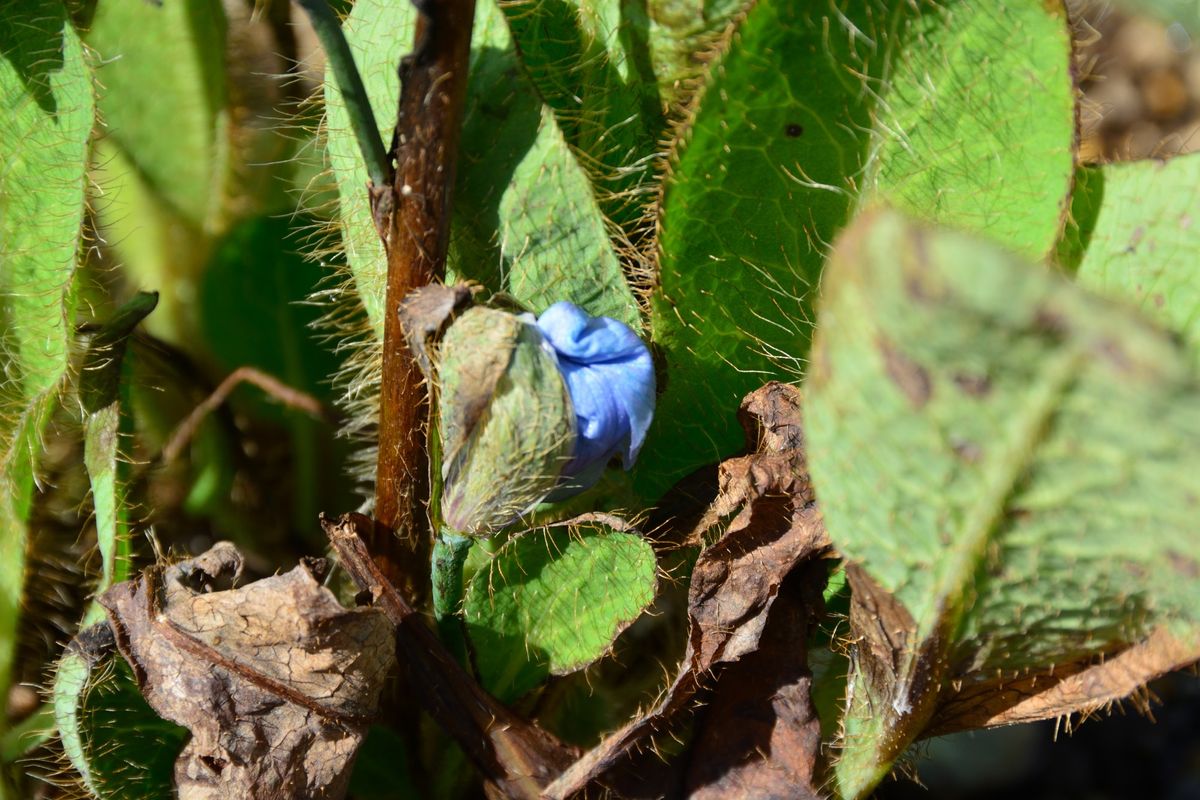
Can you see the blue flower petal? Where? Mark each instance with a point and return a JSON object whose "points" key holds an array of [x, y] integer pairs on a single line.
{"points": [[610, 376]]}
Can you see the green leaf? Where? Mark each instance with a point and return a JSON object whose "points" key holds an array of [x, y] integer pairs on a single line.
{"points": [[779, 148], [591, 62], [526, 219], [70, 683], [107, 427], [381, 768], [977, 124], [100, 373], [1086, 197], [162, 165], [1146, 240], [163, 97], [554, 600], [379, 33], [156, 246], [762, 178], [120, 747], [46, 97], [682, 34], [1012, 463]]}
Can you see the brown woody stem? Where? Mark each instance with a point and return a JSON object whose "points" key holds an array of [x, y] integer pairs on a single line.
{"points": [[514, 755], [433, 89]]}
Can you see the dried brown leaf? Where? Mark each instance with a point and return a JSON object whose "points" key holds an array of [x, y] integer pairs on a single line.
{"points": [[760, 736], [276, 681], [734, 585], [1073, 689], [515, 757], [425, 313]]}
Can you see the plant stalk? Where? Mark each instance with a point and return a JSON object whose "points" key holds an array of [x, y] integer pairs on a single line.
{"points": [[433, 88], [358, 105], [450, 552]]}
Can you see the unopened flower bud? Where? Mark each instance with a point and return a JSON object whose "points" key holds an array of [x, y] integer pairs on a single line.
{"points": [[508, 428]]}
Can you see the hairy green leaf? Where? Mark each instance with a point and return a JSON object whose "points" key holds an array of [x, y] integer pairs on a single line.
{"points": [[70, 683], [526, 221], [812, 110], [121, 748], [1086, 196], [762, 178], [682, 34], [379, 33], [977, 121], [161, 166], [591, 62], [155, 245], [553, 600], [1145, 240], [46, 97], [163, 98], [107, 425], [1009, 460]]}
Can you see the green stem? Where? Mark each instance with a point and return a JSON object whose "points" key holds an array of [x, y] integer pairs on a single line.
{"points": [[449, 555], [328, 28]]}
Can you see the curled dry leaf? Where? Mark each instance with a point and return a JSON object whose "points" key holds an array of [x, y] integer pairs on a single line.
{"points": [[775, 528], [425, 313], [760, 735], [275, 680], [1072, 689]]}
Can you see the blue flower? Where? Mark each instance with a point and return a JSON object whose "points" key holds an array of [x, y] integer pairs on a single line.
{"points": [[610, 377]]}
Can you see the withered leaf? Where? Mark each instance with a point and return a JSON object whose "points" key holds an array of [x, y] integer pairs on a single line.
{"points": [[275, 680], [1071, 689], [733, 590], [760, 736], [425, 313], [515, 756]]}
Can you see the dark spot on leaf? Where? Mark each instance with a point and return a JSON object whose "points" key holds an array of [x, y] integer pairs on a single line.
{"points": [[974, 385], [1017, 515], [1159, 300], [1136, 570], [1185, 565], [1049, 321], [911, 377], [794, 131], [1135, 239], [967, 450], [1115, 354]]}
